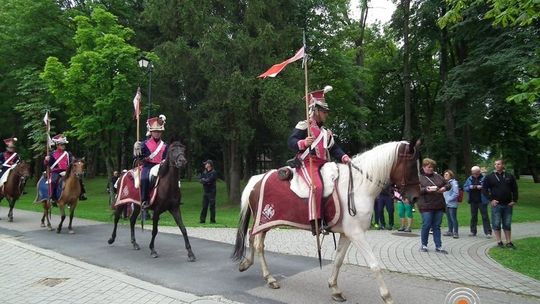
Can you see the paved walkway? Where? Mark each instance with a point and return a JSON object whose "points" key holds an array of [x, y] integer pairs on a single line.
{"points": [[467, 262], [35, 275], [31, 274]]}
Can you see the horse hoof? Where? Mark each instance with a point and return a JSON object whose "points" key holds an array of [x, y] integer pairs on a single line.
{"points": [[50, 228], [71, 231], [58, 230], [338, 297], [244, 265], [10, 219], [191, 258], [154, 255], [110, 241], [136, 247], [274, 285], [42, 225]]}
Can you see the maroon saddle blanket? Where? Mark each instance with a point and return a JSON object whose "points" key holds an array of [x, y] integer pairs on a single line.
{"points": [[278, 205], [127, 193]]}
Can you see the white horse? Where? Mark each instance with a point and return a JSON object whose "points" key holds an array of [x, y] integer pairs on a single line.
{"points": [[394, 162]]}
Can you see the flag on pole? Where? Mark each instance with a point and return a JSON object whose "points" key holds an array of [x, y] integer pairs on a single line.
{"points": [[276, 68], [47, 121], [137, 104]]}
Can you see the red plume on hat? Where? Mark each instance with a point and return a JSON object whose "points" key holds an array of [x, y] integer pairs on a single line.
{"points": [[10, 142], [316, 98]]}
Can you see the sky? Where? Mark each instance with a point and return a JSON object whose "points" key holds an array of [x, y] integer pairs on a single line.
{"points": [[378, 10]]}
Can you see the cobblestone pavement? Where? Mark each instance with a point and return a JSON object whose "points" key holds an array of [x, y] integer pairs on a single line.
{"points": [[467, 262], [31, 274]]}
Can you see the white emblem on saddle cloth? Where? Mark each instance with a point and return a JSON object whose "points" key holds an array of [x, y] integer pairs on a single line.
{"points": [[329, 173], [125, 191], [269, 211]]}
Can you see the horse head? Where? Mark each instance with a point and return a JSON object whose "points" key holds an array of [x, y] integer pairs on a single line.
{"points": [[177, 154], [23, 170], [77, 167], [405, 173]]}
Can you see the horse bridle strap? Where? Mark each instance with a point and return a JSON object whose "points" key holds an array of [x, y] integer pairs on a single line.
{"points": [[351, 206]]}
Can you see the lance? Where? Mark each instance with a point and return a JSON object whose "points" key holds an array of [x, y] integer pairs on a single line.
{"points": [[312, 203], [47, 167]]}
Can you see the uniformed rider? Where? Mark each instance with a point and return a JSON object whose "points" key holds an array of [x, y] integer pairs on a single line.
{"points": [[318, 147], [9, 158], [59, 161], [151, 152]]}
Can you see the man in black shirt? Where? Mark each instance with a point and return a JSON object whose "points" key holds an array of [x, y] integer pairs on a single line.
{"points": [[501, 189], [208, 179]]}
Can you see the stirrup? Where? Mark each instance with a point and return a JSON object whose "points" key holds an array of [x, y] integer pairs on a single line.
{"points": [[145, 204]]}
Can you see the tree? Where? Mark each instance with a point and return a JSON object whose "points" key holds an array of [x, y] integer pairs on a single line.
{"points": [[97, 86]]}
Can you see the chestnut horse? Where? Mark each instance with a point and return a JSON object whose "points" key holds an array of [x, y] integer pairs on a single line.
{"points": [[14, 186], [167, 198], [394, 162], [70, 193]]}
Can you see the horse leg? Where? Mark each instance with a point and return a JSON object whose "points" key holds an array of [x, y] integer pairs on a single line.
{"points": [[247, 262], [11, 205], [117, 213], [343, 245], [48, 215], [359, 240], [61, 206], [71, 213], [44, 214], [259, 247], [178, 219], [132, 222], [155, 220]]}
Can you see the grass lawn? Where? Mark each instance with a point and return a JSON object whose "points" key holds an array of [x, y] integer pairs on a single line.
{"points": [[523, 260], [97, 205]]}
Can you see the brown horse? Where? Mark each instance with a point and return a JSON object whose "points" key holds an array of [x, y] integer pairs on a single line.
{"points": [[357, 186], [167, 198], [14, 186], [70, 192]]}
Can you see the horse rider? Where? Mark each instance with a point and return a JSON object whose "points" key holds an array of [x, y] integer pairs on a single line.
{"points": [[59, 161], [151, 152], [9, 158], [318, 148]]}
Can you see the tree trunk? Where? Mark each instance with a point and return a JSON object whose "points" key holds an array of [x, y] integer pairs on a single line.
{"points": [[235, 166], [407, 130]]}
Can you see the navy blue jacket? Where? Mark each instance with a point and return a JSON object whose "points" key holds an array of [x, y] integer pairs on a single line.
{"points": [[500, 187], [208, 179], [300, 134]]}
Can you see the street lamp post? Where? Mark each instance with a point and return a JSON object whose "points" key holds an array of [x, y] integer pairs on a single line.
{"points": [[147, 64]]}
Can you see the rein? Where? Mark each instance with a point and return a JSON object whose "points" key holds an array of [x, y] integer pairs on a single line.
{"points": [[351, 206]]}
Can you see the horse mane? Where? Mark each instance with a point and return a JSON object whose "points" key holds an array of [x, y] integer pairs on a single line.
{"points": [[376, 164]]}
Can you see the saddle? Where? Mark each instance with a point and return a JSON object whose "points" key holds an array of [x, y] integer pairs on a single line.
{"points": [[329, 173]]}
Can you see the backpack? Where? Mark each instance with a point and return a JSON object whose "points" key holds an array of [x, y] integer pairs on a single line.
{"points": [[460, 196]]}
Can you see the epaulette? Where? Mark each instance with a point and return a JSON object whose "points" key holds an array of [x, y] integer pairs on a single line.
{"points": [[302, 125]]}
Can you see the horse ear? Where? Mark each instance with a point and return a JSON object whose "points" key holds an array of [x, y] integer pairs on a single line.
{"points": [[84, 158]]}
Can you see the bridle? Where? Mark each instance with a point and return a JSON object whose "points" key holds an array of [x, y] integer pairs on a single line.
{"points": [[404, 182]]}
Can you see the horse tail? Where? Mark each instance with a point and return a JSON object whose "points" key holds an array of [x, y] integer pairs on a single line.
{"points": [[243, 222]]}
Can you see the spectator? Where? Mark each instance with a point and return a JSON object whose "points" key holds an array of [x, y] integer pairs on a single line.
{"points": [[431, 204], [404, 208], [208, 179], [112, 182], [501, 189], [478, 201], [384, 200], [451, 197]]}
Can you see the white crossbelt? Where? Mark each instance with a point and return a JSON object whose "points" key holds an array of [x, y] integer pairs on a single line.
{"points": [[314, 144], [59, 159], [5, 164]]}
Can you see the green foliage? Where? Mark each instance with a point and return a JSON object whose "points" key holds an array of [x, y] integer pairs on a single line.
{"points": [[96, 86]]}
